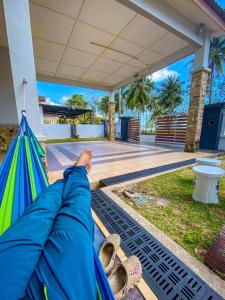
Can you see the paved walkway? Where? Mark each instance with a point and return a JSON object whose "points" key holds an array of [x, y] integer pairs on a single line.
{"points": [[114, 158]]}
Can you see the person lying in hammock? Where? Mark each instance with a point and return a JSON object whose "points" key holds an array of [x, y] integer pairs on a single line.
{"points": [[48, 253]]}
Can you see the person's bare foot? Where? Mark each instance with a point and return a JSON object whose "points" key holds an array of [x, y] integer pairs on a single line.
{"points": [[85, 159], [88, 167]]}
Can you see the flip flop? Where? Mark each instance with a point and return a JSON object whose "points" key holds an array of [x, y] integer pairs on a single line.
{"points": [[125, 276], [108, 250]]}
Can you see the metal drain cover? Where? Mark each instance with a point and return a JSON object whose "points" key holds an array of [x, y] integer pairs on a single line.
{"points": [[146, 172], [167, 276]]}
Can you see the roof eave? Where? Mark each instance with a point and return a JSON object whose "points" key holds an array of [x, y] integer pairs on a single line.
{"points": [[213, 10]]}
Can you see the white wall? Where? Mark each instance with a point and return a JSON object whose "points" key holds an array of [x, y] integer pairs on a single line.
{"points": [[63, 131], [56, 131], [17, 21], [90, 130], [118, 129], [8, 111]]}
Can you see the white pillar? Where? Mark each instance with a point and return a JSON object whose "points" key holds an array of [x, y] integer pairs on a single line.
{"points": [[17, 19], [111, 97], [41, 114], [199, 80], [202, 55]]}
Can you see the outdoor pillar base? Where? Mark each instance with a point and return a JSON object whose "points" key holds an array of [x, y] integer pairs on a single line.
{"points": [[196, 107], [7, 133], [112, 121]]}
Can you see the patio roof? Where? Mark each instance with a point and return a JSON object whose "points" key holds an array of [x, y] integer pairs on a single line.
{"points": [[107, 44], [68, 112]]}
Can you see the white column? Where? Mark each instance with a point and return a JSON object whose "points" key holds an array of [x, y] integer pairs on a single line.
{"points": [[41, 114], [202, 55], [111, 97], [17, 19], [199, 81]]}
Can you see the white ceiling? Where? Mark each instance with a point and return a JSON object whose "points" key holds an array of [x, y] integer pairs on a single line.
{"points": [[63, 30]]}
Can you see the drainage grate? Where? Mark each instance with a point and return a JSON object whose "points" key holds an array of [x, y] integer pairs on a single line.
{"points": [[168, 277], [146, 172]]}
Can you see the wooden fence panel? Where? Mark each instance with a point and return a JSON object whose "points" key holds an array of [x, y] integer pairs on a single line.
{"points": [[134, 130], [171, 129]]}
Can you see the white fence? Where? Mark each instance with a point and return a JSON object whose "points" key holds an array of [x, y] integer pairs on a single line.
{"points": [[63, 131], [90, 130], [56, 131]]}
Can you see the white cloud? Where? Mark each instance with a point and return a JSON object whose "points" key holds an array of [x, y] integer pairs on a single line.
{"points": [[162, 74], [63, 99], [49, 101]]}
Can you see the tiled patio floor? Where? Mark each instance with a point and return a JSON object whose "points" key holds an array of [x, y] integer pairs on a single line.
{"points": [[114, 158]]}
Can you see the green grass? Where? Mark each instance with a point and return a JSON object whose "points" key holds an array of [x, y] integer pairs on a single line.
{"points": [[191, 224], [69, 140]]}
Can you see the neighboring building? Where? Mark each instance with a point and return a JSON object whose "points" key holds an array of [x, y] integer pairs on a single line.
{"points": [[50, 114]]}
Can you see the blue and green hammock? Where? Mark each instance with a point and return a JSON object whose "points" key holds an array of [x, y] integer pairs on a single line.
{"points": [[22, 178], [22, 175]]}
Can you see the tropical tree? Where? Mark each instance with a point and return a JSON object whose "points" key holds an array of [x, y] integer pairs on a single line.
{"points": [[156, 109], [77, 100], [103, 104], [170, 95], [216, 60], [139, 94]]}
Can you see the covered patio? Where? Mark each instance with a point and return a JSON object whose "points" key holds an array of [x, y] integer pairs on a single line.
{"points": [[105, 45], [102, 45]]}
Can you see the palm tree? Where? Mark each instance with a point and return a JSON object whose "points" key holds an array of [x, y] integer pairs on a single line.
{"points": [[104, 102], [103, 105], [216, 60], [139, 94], [155, 108], [170, 94]]}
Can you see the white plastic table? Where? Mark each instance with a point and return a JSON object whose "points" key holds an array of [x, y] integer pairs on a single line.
{"points": [[208, 161], [206, 183]]}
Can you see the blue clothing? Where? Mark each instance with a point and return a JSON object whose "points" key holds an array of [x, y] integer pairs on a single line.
{"points": [[51, 245], [22, 244], [66, 266]]}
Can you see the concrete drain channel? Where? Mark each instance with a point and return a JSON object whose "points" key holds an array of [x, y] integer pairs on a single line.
{"points": [[167, 276]]}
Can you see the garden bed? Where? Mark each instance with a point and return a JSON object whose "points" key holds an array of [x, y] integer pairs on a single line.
{"points": [[191, 224]]}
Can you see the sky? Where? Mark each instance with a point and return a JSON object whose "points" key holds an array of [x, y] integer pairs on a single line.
{"points": [[56, 93]]}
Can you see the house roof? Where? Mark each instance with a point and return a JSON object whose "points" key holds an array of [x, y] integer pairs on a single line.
{"points": [[68, 112], [218, 9]]}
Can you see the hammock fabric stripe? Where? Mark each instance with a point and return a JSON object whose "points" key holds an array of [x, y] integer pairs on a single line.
{"points": [[22, 175]]}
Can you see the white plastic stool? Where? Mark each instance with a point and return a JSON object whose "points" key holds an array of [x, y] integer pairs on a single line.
{"points": [[206, 184], [208, 161]]}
